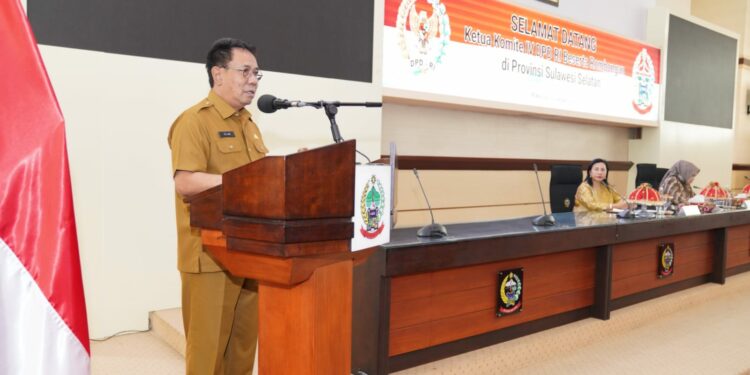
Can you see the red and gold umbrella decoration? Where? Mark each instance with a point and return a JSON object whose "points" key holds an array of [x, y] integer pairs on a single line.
{"points": [[717, 195], [714, 191], [645, 195]]}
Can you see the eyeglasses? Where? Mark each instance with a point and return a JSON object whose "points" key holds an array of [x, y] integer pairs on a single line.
{"points": [[247, 72]]}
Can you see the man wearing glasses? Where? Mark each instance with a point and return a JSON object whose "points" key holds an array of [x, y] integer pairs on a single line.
{"points": [[220, 311]]}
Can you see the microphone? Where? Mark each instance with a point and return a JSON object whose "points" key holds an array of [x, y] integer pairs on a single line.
{"points": [[270, 104], [625, 213], [434, 229], [612, 189], [544, 220]]}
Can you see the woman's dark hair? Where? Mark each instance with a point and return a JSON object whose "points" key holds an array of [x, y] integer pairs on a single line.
{"points": [[588, 171], [220, 54]]}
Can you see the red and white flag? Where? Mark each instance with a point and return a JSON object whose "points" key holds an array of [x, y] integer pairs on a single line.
{"points": [[43, 328]]}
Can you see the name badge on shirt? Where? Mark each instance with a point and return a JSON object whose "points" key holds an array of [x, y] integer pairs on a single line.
{"points": [[226, 134]]}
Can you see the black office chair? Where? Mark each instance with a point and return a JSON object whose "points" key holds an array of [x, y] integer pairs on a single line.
{"points": [[645, 173], [658, 176], [563, 184]]}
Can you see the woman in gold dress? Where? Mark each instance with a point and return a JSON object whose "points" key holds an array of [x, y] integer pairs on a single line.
{"points": [[595, 193]]}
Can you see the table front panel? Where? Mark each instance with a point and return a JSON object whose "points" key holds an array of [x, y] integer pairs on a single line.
{"points": [[738, 246], [635, 264], [433, 308]]}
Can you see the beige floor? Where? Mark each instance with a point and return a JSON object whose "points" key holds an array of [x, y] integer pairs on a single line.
{"points": [[139, 353], [704, 330]]}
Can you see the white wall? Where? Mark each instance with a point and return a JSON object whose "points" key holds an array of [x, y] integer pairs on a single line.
{"points": [[710, 148], [121, 179], [446, 132], [731, 15], [118, 110], [677, 6]]}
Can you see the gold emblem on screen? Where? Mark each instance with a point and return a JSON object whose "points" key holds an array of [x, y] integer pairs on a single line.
{"points": [[422, 37]]}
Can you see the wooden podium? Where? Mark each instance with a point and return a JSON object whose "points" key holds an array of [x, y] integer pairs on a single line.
{"points": [[285, 221]]}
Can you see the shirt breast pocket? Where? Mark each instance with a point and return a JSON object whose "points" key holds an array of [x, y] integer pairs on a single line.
{"points": [[228, 146]]}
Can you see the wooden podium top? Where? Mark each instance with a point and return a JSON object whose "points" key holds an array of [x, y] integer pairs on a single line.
{"points": [[314, 184], [284, 206]]}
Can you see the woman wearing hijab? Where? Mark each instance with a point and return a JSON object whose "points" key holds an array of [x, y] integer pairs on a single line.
{"points": [[594, 193], [677, 184]]}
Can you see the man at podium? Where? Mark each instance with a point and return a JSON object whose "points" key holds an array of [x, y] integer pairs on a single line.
{"points": [[217, 134]]}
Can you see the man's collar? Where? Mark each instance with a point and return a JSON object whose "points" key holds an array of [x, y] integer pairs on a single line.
{"points": [[225, 110]]}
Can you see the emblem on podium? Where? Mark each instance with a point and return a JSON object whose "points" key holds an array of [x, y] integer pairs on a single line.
{"points": [[666, 260], [510, 292], [372, 207]]}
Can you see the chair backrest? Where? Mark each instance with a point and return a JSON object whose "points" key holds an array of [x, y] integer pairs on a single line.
{"points": [[658, 176], [645, 173], [563, 183]]}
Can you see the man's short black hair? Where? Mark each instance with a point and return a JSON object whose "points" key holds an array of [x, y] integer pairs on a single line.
{"points": [[221, 53]]}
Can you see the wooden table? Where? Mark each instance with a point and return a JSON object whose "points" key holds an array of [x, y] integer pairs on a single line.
{"points": [[419, 300]]}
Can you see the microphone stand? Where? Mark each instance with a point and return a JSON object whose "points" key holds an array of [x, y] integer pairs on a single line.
{"points": [[434, 229], [331, 109], [629, 211], [546, 219]]}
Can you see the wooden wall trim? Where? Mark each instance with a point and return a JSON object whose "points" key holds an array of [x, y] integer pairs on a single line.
{"points": [[490, 164], [503, 164]]}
